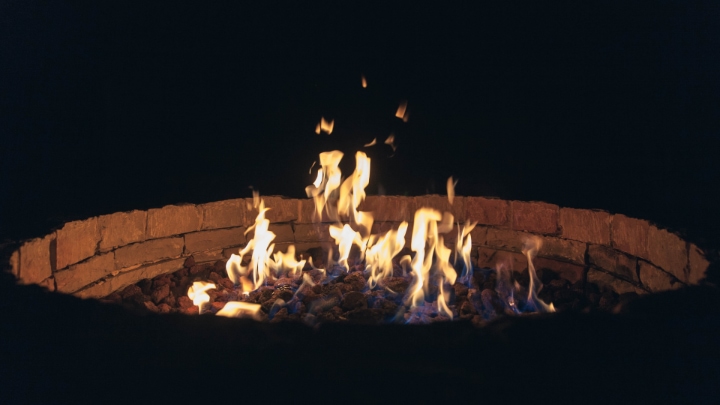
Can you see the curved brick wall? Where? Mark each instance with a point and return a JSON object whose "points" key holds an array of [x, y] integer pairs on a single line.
{"points": [[99, 255]]}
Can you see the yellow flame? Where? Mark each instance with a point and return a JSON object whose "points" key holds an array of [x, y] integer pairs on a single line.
{"points": [[363, 81], [531, 246], [345, 237], [451, 189], [285, 263], [238, 309], [374, 141], [197, 293], [325, 126], [378, 258], [261, 247], [402, 109]]}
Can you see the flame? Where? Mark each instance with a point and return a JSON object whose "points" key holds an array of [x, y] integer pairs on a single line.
{"points": [[391, 141], [531, 246], [402, 110], [327, 181], [345, 237], [325, 126], [238, 309], [197, 293], [451, 189], [352, 193], [374, 141], [363, 81], [382, 249], [463, 250], [285, 263]]}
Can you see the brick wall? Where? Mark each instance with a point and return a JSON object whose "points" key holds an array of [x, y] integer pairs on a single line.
{"points": [[96, 256]]}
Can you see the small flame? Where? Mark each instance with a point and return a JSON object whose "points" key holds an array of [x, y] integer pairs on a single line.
{"points": [[325, 126], [238, 309], [374, 141], [451, 189], [391, 141], [285, 263], [531, 246], [197, 293], [464, 249], [402, 110], [363, 81]]}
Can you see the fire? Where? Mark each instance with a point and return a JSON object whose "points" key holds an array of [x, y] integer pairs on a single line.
{"points": [[238, 309], [324, 126], [530, 248], [402, 110], [197, 293], [382, 249], [363, 81]]}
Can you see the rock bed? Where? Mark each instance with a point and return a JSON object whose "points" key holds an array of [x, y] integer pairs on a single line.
{"points": [[342, 296]]}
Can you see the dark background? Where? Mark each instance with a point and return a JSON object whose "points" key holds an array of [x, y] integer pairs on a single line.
{"points": [[112, 107]]}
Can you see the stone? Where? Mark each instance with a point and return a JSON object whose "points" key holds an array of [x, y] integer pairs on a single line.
{"points": [[223, 214], [630, 235], [585, 225], [442, 204], [15, 263], [76, 241], [283, 233], [124, 279], [492, 258], [121, 228], [567, 271], [82, 274], [505, 239], [281, 209], [613, 261], [697, 264], [390, 208], [214, 239], [318, 232], [608, 281], [209, 255], [563, 249], [35, 259], [48, 284], [173, 220], [487, 211], [478, 235], [306, 213], [656, 280], [148, 251], [667, 251], [538, 217]]}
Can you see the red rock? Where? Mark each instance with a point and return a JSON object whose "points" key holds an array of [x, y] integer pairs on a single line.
{"points": [[130, 290], [184, 302], [160, 293]]}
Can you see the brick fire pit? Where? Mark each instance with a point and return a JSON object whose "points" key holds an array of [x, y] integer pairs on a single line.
{"points": [[97, 256]]}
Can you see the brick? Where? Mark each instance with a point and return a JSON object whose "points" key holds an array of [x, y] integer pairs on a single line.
{"points": [[697, 265], [655, 279], [121, 228], [608, 281], [563, 249], [214, 239], [227, 252], [487, 211], [124, 279], [505, 239], [82, 274], [77, 241], [667, 251], [613, 261], [390, 208], [173, 220], [442, 204], [312, 232], [224, 214], [209, 256], [283, 233], [490, 258], [630, 235], [538, 217], [382, 227], [35, 259], [281, 209], [48, 284], [585, 225], [478, 235], [307, 212], [568, 271], [148, 251]]}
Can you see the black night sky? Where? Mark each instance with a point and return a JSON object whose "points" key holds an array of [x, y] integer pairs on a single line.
{"points": [[108, 106]]}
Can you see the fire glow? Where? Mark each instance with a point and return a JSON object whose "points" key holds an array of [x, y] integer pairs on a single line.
{"points": [[431, 271]]}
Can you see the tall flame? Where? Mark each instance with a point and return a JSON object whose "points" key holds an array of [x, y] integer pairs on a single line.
{"points": [[531, 246], [382, 249]]}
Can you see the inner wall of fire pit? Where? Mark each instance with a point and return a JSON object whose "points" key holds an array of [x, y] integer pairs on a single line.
{"points": [[97, 256]]}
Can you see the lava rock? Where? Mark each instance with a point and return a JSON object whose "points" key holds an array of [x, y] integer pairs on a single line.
{"points": [[160, 293], [354, 300], [130, 290], [356, 281]]}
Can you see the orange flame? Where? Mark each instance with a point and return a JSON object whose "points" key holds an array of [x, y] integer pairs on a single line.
{"points": [[402, 110], [238, 309], [531, 246], [378, 258], [197, 293], [363, 81], [325, 126]]}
